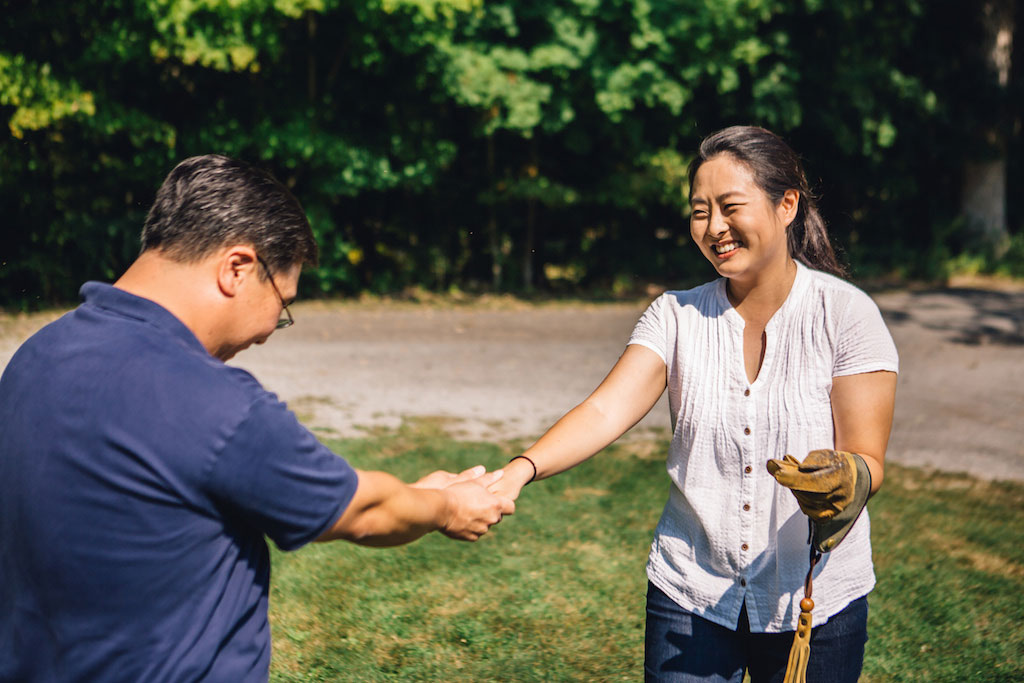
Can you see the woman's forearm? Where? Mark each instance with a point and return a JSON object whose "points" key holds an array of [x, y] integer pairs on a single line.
{"points": [[577, 436], [628, 393]]}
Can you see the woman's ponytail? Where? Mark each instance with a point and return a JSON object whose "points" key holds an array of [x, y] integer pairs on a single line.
{"points": [[808, 239]]}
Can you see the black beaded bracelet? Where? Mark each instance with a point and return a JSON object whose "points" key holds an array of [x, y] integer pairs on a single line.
{"points": [[531, 465]]}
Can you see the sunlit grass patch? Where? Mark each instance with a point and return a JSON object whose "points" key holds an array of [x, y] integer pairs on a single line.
{"points": [[949, 555], [556, 592]]}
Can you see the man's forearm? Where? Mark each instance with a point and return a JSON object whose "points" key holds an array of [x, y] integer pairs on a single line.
{"points": [[387, 512]]}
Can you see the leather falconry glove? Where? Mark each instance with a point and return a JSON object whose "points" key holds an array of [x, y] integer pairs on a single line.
{"points": [[831, 487]]}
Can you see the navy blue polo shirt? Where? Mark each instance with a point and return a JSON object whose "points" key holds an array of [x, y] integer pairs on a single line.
{"points": [[138, 478]]}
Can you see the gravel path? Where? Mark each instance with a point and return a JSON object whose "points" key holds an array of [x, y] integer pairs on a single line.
{"points": [[507, 371]]}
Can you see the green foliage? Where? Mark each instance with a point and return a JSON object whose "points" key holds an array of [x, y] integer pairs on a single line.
{"points": [[445, 143], [556, 592], [39, 100]]}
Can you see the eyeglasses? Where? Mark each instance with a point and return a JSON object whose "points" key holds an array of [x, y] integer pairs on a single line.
{"points": [[286, 320]]}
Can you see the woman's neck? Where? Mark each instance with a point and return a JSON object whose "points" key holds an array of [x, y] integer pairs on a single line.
{"points": [[759, 298]]}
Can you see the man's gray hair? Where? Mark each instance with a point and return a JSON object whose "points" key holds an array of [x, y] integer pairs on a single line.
{"points": [[212, 201]]}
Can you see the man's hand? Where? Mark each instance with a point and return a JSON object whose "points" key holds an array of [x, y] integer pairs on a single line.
{"points": [[386, 512], [472, 510], [824, 484]]}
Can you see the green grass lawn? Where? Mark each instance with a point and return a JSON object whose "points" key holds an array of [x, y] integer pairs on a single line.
{"points": [[556, 592]]}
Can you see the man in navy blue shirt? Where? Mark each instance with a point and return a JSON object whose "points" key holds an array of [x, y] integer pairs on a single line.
{"points": [[139, 474]]}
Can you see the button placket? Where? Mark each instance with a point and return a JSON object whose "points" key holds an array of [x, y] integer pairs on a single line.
{"points": [[747, 485]]}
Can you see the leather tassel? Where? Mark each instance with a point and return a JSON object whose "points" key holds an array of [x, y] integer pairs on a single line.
{"points": [[800, 652], [796, 669]]}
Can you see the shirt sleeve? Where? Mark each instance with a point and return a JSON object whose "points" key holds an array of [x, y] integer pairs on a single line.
{"points": [[864, 344], [280, 478], [651, 329]]}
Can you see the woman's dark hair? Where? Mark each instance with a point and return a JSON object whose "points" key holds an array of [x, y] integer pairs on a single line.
{"points": [[211, 201], [776, 168]]}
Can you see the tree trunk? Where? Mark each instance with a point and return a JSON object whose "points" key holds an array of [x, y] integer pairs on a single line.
{"points": [[492, 221], [984, 190], [311, 57], [984, 201], [529, 243]]}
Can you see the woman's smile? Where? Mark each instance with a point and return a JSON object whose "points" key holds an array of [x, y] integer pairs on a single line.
{"points": [[726, 249]]}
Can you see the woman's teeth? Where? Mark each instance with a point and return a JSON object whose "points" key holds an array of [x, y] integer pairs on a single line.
{"points": [[725, 248]]}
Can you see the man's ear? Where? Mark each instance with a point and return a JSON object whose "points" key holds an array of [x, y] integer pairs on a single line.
{"points": [[235, 265], [788, 206]]}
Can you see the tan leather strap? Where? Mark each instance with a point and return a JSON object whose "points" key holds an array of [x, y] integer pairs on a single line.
{"points": [[800, 652]]}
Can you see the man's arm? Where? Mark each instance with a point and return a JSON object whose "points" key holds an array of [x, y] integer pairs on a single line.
{"points": [[386, 512]]}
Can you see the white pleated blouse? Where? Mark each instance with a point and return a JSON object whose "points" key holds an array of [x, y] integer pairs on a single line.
{"points": [[729, 533]]}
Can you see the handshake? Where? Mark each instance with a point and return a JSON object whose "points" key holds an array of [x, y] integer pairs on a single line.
{"points": [[475, 499]]}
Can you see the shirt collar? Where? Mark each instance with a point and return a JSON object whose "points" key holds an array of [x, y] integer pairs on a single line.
{"points": [[795, 292], [129, 305]]}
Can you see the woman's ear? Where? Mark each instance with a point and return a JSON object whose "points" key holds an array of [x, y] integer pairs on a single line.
{"points": [[788, 207], [235, 265]]}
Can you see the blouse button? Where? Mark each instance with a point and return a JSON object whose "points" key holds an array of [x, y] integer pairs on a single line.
{"points": [[746, 430], [744, 547], [747, 392], [748, 469], [746, 507]]}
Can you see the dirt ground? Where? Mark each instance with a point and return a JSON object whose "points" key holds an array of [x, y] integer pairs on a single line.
{"points": [[506, 370]]}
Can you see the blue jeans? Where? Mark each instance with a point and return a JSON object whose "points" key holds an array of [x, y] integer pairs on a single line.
{"points": [[681, 647]]}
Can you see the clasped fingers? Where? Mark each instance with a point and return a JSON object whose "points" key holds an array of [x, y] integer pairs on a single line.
{"points": [[474, 510]]}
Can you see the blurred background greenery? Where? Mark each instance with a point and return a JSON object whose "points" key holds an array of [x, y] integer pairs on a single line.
{"points": [[528, 146]]}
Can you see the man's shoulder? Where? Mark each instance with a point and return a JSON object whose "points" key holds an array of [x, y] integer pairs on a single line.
{"points": [[197, 381], [134, 362]]}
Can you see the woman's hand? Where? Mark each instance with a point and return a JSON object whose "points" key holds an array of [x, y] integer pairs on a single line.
{"points": [[832, 486], [516, 475], [825, 483], [442, 479]]}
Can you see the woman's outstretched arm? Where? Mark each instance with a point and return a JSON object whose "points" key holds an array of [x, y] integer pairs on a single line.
{"points": [[630, 390]]}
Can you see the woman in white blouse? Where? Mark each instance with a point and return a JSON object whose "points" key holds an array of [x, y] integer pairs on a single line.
{"points": [[777, 356]]}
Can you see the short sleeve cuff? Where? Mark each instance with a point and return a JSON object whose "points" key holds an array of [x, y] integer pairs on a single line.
{"points": [[280, 478], [650, 345]]}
